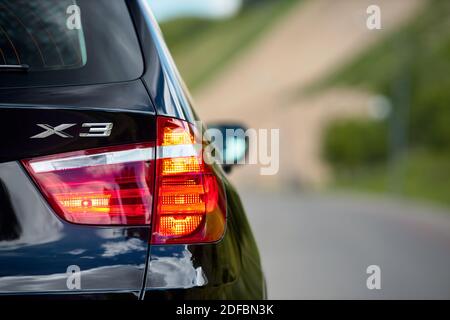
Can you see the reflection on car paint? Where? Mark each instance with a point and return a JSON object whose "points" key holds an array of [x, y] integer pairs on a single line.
{"points": [[173, 267]]}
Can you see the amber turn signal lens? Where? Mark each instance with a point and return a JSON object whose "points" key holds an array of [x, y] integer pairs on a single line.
{"points": [[190, 199]]}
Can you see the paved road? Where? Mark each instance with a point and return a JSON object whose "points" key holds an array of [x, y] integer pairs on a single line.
{"points": [[319, 246]]}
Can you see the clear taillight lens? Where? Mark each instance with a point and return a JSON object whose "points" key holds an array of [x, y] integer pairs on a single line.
{"points": [[109, 186], [190, 200]]}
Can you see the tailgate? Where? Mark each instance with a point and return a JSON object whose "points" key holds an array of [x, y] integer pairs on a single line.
{"points": [[39, 251]]}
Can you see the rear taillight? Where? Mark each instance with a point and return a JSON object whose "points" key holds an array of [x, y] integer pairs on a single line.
{"points": [[190, 201], [115, 186], [110, 186]]}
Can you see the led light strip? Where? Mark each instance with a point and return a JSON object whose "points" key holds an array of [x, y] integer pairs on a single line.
{"points": [[108, 158]]}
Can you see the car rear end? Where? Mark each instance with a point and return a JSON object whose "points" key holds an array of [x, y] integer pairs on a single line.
{"points": [[104, 191]]}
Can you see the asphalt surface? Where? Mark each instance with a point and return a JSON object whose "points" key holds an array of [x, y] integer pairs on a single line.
{"points": [[319, 246]]}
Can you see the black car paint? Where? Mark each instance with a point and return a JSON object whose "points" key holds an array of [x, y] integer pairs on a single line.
{"points": [[229, 269], [107, 59], [126, 105]]}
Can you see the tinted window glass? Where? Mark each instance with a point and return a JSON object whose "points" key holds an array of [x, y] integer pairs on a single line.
{"points": [[66, 42]]}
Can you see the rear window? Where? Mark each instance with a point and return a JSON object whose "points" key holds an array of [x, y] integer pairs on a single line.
{"points": [[67, 42]]}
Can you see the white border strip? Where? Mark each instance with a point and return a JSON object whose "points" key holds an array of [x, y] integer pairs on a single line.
{"points": [[106, 158], [185, 150]]}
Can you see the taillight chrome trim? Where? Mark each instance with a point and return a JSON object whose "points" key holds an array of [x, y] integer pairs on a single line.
{"points": [[106, 158]]}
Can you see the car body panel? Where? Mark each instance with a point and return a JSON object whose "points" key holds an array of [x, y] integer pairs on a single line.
{"points": [[161, 77], [230, 269], [37, 248], [114, 261]]}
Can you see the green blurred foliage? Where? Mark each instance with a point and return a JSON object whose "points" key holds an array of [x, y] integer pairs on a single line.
{"points": [[430, 124], [420, 52], [413, 62], [202, 48], [426, 176], [355, 143]]}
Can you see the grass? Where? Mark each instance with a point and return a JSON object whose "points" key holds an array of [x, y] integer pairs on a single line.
{"points": [[419, 175], [422, 47], [417, 55], [202, 48]]}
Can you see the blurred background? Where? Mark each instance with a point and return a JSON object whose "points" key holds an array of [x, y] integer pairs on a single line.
{"points": [[364, 119]]}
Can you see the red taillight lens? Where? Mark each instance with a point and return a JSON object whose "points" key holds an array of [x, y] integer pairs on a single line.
{"points": [[110, 186], [114, 186], [190, 200]]}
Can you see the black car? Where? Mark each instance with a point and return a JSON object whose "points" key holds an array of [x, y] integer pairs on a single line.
{"points": [[103, 191]]}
